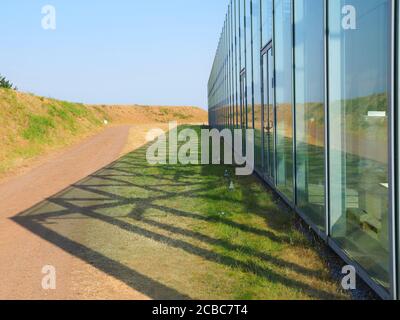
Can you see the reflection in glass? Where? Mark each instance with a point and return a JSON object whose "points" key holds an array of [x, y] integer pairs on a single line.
{"points": [[268, 115], [283, 92], [359, 89], [230, 71], [242, 34], [257, 85], [310, 115], [236, 60], [266, 7], [249, 64]]}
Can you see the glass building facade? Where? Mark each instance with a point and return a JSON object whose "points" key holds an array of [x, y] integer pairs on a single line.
{"points": [[317, 80]]}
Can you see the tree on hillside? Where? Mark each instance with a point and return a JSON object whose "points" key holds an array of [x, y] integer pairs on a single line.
{"points": [[4, 83]]}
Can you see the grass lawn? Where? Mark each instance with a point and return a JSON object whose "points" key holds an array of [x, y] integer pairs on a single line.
{"points": [[179, 232]]}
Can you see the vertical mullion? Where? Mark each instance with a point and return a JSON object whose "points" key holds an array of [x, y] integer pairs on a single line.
{"points": [[274, 96], [392, 196], [262, 98], [326, 106], [252, 64], [396, 145], [294, 178]]}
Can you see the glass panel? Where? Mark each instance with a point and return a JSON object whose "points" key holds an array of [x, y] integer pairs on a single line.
{"points": [[283, 95], [266, 6], [249, 65], [310, 115], [265, 114], [242, 35], [229, 48], [237, 61], [243, 99], [243, 108], [398, 148], [227, 68], [269, 116], [359, 89], [257, 84], [227, 76], [233, 65]]}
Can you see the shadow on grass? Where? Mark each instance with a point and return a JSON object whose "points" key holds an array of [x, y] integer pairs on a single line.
{"points": [[122, 194]]}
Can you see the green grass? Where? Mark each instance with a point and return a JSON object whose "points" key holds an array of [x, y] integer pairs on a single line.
{"points": [[31, 125], [180, 116], [177, 231], [68, 113], [38, 128], [176, 115]]}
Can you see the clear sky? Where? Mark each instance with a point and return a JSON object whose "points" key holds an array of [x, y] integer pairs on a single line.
{"points": [[112, 51]]}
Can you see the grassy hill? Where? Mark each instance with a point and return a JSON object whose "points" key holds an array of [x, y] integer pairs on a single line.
{"points": [[31, 126]]}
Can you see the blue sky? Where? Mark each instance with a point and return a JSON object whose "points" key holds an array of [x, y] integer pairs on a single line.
{"points": [[112, 51]]}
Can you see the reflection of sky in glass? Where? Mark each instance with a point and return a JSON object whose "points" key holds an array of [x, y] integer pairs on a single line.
{"points": [[358, 143], [364, 50], [283, 51], [242, 33], [309, 44], [256, 54], [266, 21]]}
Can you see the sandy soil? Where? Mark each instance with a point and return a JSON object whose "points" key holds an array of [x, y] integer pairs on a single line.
{"points": [[23, 254]]}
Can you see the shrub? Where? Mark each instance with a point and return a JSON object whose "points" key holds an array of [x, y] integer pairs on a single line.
{"points": [[6, 84]]}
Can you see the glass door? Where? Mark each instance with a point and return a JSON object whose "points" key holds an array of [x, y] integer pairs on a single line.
{"points": [[268, 114]]}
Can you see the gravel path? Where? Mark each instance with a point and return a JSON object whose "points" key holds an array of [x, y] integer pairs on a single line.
{"points": [[23, 254]]}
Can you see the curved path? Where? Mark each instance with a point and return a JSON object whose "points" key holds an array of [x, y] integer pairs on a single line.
{"points": [[23, 254]]}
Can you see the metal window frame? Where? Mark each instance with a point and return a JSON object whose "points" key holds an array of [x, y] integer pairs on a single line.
{"points": [[392, 152], [294, 126], [396, 114], [274, 171]]}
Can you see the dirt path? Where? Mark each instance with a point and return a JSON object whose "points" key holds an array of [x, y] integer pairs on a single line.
{"points": [[23, 254]]}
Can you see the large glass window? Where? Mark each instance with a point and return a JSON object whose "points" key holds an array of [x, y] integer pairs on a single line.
{"points": [[398, 142], [243, 99], [242, 34], [230, 73], [249, 63], [359, 88], [310, 115], [234, 66], [283, 96], [257, 84], [268, 115], [266, 7], [237, 62], [232, 50]]}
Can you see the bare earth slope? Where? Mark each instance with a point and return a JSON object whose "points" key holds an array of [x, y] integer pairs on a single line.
{"points": [[32, 126]]}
